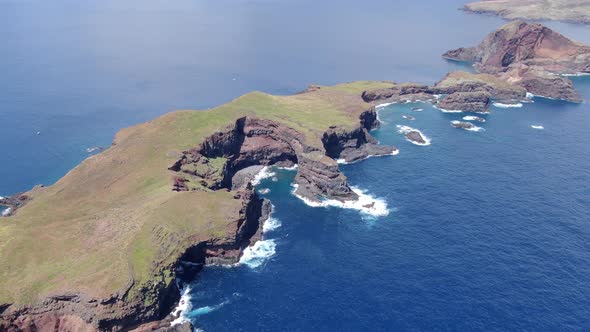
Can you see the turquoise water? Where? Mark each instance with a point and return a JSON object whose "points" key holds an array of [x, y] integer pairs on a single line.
{"points": [[486, 230]]}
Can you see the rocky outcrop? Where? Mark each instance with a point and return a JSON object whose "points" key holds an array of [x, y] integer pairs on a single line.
{"points": [[499, 89], [399, 93], [251, 142], [520, 52], [77, 312], [15, 202], [463, 125], [352, 145], [477, 102], [550, 86]]}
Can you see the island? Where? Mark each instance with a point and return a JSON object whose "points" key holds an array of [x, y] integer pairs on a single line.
{"points": [[576, 11]]}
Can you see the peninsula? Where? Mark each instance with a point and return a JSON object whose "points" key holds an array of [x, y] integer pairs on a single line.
{"points": [[102, 248]]}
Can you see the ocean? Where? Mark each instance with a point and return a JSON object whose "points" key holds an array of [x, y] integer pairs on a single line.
{"points": [[480, 230]]}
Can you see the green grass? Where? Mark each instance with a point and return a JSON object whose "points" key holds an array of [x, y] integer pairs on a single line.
{"points": [[114, 218]]}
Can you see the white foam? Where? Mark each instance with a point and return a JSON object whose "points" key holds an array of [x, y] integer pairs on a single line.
{"points": [[275, 179], [366, 204], [501, 105], [418, 110], [344, 162], [183, 307], [1, 197], [473, 118], [6, 212], [437, 96], [447, 111], [270, 225], [264, 173], [537, 127], [264, 191], [405, 130], [292, 168], [530, 95], [474, 128], [385, 105], [257, 254], [575, 75]]}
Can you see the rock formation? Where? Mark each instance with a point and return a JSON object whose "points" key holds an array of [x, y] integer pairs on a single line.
{"points": [[477, 102], [531, 56]]}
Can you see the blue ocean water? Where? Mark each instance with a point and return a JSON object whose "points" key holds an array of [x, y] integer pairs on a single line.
{"points": [[486, 230]]}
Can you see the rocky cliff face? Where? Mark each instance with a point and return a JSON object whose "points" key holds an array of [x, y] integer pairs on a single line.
{"points": [[76, 312], [251, 141], [477, 101], [520, 52]]}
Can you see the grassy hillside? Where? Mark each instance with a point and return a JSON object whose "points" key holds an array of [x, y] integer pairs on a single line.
{"points": [[113, 219]]}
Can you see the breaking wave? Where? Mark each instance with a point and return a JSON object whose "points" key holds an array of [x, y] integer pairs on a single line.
{"points": [[256, 254], [270, 225], [183, 307], [473, 118], [344, 162], [537, 127], [447, 111], [502, 105], [366, 204], [405, 130], [6, 212], [473, 128], [264, 173]]}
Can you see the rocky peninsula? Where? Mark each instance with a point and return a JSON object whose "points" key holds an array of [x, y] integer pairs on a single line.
{"points": [[104, 247]]}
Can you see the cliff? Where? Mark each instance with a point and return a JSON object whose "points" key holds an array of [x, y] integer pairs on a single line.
{"points": [[104, 247]]}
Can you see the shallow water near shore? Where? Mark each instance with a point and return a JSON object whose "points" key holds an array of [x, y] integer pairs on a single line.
{"points": [[485, 230]]}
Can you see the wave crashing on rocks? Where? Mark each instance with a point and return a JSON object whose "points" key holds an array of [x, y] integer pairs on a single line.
{"points": [[413, 135], [466, 126], [502, 105], [365, 204]]}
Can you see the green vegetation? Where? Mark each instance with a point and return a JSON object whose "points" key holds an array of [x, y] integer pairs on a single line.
{"points": [[114, 219]]}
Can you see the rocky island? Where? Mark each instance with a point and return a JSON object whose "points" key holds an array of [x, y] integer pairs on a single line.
{"points": [[102, 248], [577, 11]]}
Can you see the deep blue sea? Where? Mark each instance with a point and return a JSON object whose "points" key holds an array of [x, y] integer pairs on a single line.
{"points": [[486, 231]]}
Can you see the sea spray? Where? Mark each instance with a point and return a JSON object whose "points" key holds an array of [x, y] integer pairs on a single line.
{"points": [[6, 212], [366, 204], [270, 225], [344, 162], [258, 253], [264, 173], [183, 307], [404, 130], [502, 105]]}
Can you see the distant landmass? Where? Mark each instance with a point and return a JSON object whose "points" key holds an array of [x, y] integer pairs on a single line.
{"points": [[557, 10]]}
